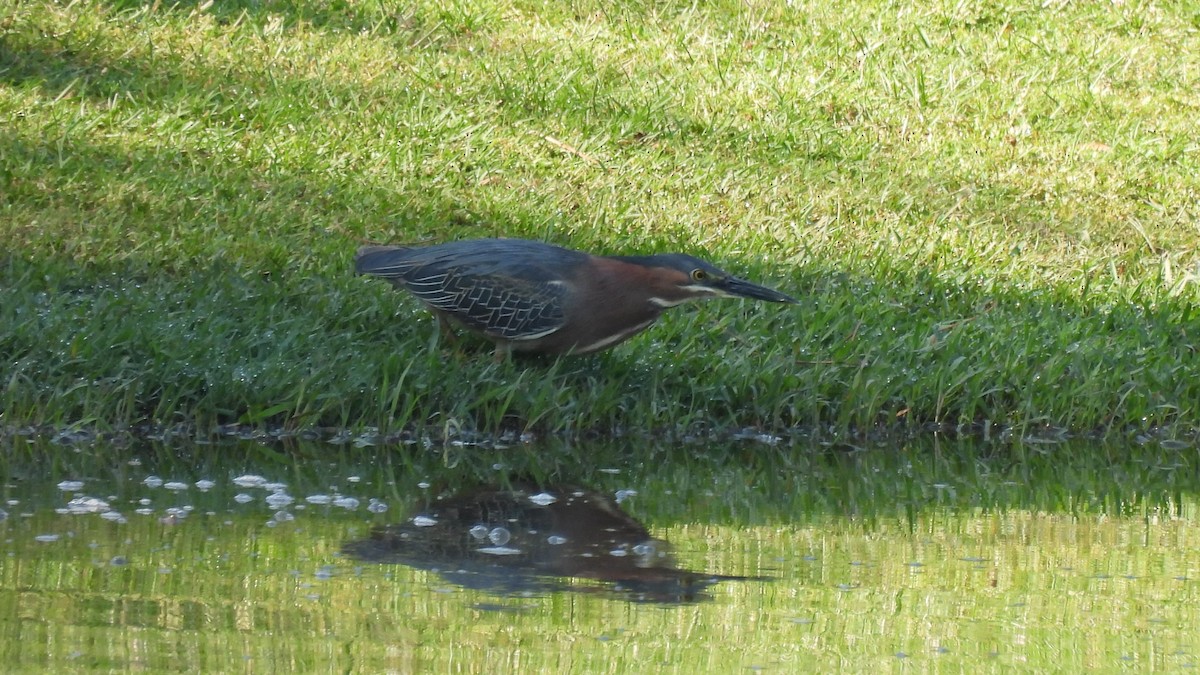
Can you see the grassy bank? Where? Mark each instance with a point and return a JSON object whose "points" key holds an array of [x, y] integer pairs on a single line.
{"points": [[989, 212]]}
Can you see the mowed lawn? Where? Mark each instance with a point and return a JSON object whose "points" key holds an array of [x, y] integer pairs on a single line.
{"points": [[990, 211]]}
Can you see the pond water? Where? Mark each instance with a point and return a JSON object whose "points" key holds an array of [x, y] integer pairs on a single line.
{"points": [[625, 556]]}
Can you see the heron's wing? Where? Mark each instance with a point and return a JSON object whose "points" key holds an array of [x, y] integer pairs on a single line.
{"points": [[514, 290], [507, 307], [511, 291]]}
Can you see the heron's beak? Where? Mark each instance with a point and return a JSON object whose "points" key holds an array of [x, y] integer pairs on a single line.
{"points": [[740, 288]]}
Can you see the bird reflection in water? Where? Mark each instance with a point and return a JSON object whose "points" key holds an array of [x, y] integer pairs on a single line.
{"points": [[527, 540]]}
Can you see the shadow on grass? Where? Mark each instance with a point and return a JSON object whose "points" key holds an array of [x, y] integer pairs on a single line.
{"points": [[247, 310]]}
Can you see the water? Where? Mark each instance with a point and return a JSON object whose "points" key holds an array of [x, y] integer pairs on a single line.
{"points": [[614, 557]]}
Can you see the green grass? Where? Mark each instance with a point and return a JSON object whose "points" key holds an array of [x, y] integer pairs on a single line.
{"points": [[989, 210]]}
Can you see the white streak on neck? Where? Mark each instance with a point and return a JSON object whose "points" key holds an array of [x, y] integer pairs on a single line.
{"points": [[613, 339]]}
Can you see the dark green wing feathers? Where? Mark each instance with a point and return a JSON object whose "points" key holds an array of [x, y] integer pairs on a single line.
{"points": [[512, 292]]}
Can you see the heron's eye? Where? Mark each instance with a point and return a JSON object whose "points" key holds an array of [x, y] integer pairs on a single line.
{"points": [[699, 275]]}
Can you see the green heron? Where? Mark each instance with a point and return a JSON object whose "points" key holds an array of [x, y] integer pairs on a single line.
{"points": [[529, 296]]}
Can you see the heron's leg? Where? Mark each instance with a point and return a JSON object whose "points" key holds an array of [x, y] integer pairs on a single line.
{"points": [[444, 332], [503, 351], [446, 329]]}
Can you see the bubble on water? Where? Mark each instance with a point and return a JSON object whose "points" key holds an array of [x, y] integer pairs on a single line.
{"points": [[114, 516], [424, 521], [243, 498], [144, 512], [618, 553], [348, 503], [274, 487], [543, 499], [174, 515], [204, 485], [377, 506], [555, 540], [284, 517], [318, 499], [622, 495], [325, 572], [249, 481], [81, 505], [499, 550], [479, 532], [46, 538], [118, 561], [175, 486], [499, 536], [70, 485], [152, 482], [278, 500], [353, 479], [423, 485]]}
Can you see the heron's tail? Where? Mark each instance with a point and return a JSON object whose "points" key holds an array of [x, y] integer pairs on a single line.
{"points": [[381, 261]]}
